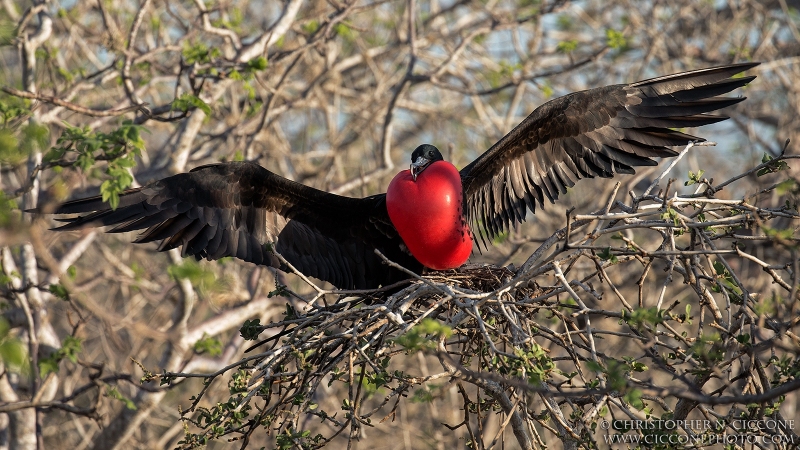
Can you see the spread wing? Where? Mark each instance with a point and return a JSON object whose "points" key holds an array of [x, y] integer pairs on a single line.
{"points": [[597, 132], [239, 208]]}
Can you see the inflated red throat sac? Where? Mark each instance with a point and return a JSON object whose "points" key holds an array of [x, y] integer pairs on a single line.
{"points": [[427, 214]]}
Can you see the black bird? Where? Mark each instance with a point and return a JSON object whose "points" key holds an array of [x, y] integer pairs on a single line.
{"points": [[238, 208]]}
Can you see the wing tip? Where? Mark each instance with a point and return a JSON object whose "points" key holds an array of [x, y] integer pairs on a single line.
{"points": [[725, 72]]}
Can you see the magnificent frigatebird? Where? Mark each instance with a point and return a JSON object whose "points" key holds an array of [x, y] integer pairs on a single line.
{"points": [[239, 208]]}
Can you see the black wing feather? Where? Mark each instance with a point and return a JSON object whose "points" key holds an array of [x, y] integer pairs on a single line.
{"points": [[237, 209], [591, 133]]}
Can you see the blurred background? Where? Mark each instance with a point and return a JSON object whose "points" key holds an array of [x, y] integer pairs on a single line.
{"points": [[109, 94]]}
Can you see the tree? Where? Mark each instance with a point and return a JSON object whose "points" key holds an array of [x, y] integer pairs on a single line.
{"points": [[669, 296]]}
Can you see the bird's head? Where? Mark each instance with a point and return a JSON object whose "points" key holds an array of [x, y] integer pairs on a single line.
{"points": [[422, 157]]}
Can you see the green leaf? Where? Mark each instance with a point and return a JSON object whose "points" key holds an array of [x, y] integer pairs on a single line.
{"points": [[48, 365], [59, 291], [547, 90], [198, 52], [239, 381], [13, 354], [35, 137], [12, 351], [10, 151], [772, 165], [167, 379], [786, 187], [567, 46], [564, 22], [187, 102], [616, 40], [117, 147], [725, 279], [13, 107], [282, 291], [117, 395], [69, 350], [257, 64], [85, 161], [634, 398], [251, 329], [192, 271], [640, 317], [208, 344], [606, 255], [291, 439], [310, 27], [778, 234], [112, 188], [417, 338], [8, 215], [694, 178], [8, 30], [343, 30], [423, 395]]}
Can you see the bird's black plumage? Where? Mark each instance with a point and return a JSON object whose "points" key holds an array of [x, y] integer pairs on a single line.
{"points": [[591, 133], [238, 209]]}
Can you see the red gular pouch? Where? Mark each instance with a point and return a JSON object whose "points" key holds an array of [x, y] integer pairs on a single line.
{"points": [[428, 215]]}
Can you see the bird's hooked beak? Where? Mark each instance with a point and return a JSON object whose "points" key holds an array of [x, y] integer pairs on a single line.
{"points": [[418, 166]]}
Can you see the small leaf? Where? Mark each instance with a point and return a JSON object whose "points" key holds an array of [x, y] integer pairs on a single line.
{"points": [[115, 394], [251, 329], [772, 166], [615, 39], [310, 27], [188, 101], [259, 63], [59, 291], [567, 46], [606, 255]]}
